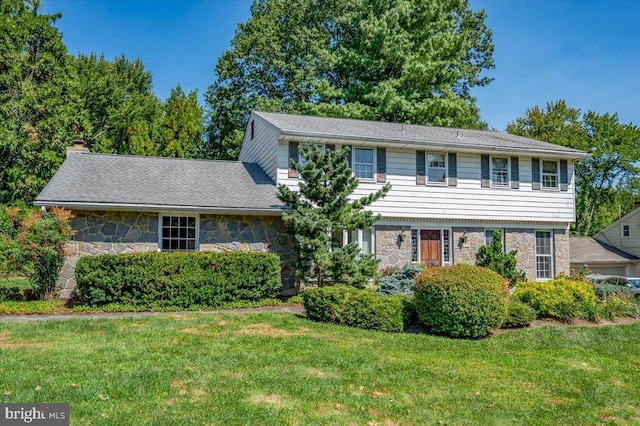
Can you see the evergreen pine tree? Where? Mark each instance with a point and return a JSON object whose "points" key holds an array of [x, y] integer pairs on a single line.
{"points": [[320, 210], [494, 258]]}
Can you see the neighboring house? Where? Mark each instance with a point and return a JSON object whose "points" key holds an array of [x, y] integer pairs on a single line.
{"points": [[450, 189], [622, 238], [601, 258]]}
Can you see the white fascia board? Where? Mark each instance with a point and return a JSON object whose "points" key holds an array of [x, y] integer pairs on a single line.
{"points": [[160, 208]]}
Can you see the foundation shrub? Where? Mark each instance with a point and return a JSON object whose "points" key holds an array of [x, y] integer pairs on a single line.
{"points": [[562, 298], [618, 305], [461, 300], [10, 293], [357, 308], [177, 279], [518, 315], [604, 290], [400, 281]]}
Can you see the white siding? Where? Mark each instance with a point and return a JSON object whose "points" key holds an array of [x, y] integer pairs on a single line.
{"points": [[612, 235], [467, 200], [262, 149]]}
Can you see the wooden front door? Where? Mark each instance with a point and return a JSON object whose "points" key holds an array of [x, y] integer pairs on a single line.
{"points": [[430, 249]]}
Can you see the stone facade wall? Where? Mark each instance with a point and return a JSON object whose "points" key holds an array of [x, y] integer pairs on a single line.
{"points": [[393, 246], [524, 241], [114, 232], [561, 251], [250, 233], [465, 251]]}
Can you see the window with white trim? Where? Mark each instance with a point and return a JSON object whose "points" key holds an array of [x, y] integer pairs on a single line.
{"points": [[436, 168], [363, 165], [626, 231], [446, 247], [544, 255], [488, 237], [178, 233], [363, 238], [500, 171], [549, 174]]}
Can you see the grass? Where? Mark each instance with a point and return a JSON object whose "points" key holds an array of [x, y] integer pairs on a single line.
{"points": [[178, 369], [21, 283]]}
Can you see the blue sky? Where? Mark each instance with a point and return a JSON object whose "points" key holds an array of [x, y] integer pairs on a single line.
{"points": [[585, 51]]}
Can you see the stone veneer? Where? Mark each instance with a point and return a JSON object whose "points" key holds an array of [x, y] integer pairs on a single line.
{"points": [[393, 252], [393, 246], [113, 232]]}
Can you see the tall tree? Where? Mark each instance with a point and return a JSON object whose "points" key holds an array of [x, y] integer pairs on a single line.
{"points": [[182, 125], [398, 60], [118, 111], [607, 181], [35, 107], [320, 210]]}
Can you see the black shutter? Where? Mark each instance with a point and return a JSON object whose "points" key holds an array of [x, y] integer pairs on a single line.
{"points": [[382, 165], [453, 169], [293, 158], [252, 130], [515, 173], [420, 168], [484, 171], [535, 173], [564, 176]]}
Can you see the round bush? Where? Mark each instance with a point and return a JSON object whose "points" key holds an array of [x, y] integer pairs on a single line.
{"points": [[461, 300], [519, 315]]}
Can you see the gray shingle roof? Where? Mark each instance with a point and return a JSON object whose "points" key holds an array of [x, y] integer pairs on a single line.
{"points": [[588, 250], [152, 182], [349, 129]]}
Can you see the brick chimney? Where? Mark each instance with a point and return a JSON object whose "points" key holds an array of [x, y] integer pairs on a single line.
{"points": [[78, 146]]}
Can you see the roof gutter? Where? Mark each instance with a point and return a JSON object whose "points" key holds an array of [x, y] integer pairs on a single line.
{"points": [[74, 205], [575, 155]]}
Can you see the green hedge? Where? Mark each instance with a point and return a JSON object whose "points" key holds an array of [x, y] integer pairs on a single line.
{"points": [[461, 300], [177, 279], [357, 308], [561, 298], [519, 315]]}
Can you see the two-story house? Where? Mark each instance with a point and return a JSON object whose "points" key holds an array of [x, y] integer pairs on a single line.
{"points": [[450, 189]]}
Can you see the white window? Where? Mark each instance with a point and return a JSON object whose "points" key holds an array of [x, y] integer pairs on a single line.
{"points": [[544, 255], [178, 233], [626, 231], [364, 238], [549, 174], [436, 168], [363, 163], [499, 171], [446, 247], [488, 237]]}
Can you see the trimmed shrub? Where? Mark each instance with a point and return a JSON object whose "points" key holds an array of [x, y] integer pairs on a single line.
{"points": [[401, 281], [518, 315], [561, 298], [357, 308], [10, 293], [604, 290], [617, 305], [461, 300], [177, 279]]}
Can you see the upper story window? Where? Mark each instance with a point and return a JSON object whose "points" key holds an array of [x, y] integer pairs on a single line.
{"points": [[303, 160], [549, 174], [363, 166], [626, 231], [500, 171], [178, 233], [436, 168]]}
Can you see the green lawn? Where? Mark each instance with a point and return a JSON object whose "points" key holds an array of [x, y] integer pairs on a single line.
{"points": [[19, 282], [178, 369]]}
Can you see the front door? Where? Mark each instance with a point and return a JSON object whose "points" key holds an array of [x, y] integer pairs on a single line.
{"points": [[430, 249]]}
